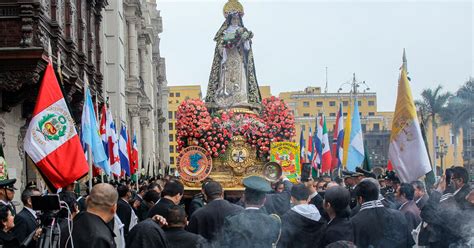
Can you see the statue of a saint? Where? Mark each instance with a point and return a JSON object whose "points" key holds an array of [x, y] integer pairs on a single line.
{"points": [[232, 83]]}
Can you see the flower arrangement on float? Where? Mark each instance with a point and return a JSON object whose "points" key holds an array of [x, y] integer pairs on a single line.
{"points": [[195, 126]]}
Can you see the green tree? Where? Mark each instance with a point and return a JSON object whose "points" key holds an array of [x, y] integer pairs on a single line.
{"points": [[433, 102]]}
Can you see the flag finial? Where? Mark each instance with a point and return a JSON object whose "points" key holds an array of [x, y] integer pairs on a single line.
{"points": [[50, 52], [404, 60]]}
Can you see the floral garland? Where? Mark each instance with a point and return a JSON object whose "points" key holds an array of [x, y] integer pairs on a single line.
{"points": [[196, 127]]}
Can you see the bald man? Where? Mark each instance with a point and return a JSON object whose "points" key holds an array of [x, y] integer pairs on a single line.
{"points": [[90, 227]]}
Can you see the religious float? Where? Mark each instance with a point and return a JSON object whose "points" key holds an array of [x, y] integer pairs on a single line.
{"points": [[228, 136]]}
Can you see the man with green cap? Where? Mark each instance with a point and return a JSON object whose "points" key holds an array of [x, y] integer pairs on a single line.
{"points": [[7, 192], [252, 227]]}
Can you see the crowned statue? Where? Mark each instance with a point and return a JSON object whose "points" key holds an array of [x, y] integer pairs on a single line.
{"points": [[233, 83]]}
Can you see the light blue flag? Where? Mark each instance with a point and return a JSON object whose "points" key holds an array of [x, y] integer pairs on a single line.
{"points": [[355, 155], [90, 133]]}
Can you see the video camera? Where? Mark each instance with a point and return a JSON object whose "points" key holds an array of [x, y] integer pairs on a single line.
{"points": [[48, 207]]}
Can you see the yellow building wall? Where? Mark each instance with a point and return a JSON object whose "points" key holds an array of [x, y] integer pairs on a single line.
{"points": [[176, 96], [265, 91], [307, 104], [444, 132]]}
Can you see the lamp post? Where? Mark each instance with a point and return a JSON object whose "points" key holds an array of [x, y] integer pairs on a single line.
{"points": [[441, 151]]}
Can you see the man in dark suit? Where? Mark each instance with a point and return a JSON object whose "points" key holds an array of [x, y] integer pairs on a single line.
{"points": [[176, 235], [446, 214], [124, 210], [316, 199], [404, 195], [171, 196], [25, 220], [252, 227], [208, 220], [279, 202], [421, 197], [378, 226], [339, 227]]}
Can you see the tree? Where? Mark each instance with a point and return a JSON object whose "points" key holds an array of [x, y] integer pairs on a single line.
{"points": [[433, 102], [454, 114]]}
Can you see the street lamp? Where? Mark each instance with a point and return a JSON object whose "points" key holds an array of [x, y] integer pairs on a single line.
{"points": [[441, 151], [354, 85]]}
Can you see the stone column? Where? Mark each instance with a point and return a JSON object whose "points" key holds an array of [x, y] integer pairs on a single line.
{"points": [[132, 48], [145, 125]]}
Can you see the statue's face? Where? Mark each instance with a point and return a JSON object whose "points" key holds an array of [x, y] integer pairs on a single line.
{"points": [[235, 20]]}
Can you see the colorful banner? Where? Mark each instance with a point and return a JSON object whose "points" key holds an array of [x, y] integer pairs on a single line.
{"points": [[287, 155]]}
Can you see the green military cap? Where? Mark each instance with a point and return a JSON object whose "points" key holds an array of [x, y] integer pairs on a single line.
{"points": [[357, 174], [346, 174], [257, 183], [8, 184]]}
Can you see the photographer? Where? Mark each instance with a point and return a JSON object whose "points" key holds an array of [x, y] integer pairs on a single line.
{"points": [[25, 220]]}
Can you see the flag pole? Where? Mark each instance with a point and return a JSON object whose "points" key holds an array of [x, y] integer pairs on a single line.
{"points": [[89, 158]]}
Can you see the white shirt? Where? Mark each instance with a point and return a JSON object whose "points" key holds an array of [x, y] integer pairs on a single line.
{"points": [[33, 212], [251, 208]]}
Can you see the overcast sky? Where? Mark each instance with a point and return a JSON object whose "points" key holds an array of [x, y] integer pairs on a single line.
{"points": [[294, 41]]}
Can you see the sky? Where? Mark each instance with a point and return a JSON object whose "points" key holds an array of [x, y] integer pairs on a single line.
{"points": [[294, 42]]}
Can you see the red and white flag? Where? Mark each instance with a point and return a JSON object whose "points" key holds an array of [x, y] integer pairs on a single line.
{"points": [[51, 139]]}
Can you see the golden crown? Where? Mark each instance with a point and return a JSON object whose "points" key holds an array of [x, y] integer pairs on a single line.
{"points": [[233, 6]]}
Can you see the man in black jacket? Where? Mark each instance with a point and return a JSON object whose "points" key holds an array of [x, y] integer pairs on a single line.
{"points": [[25, 220], [171, 196], [279, 202], [101, 208], [209, 219], [176, 235], [302, 225], [124, 210], [378, 226]]}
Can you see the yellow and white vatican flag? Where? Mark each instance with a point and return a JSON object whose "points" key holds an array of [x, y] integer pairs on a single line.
{"points": [[407, 151]]}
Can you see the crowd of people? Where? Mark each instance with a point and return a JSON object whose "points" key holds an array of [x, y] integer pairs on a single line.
{"points": [[356, 210]]}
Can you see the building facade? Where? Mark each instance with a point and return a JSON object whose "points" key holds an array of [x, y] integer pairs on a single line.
{"points": [[135, 75], [27, 28], [311, 102]]}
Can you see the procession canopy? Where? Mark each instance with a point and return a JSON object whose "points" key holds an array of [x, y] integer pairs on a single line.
{"points": [[233, 82]]}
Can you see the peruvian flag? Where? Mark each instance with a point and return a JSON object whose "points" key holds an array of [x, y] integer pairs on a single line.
{"points": [[129, 152], [112, 140], [51, 136], [326, 151]]}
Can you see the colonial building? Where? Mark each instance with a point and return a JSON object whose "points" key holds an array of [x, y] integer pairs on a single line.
{"points": [[135, 75], [26, 28]]}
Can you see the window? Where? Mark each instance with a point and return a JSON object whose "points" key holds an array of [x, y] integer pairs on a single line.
{"points": [[171, 137], [171, 160], [306, 114], [376, 127], [364, 127], [170, 115], [345, 114], [332, 103], [177, 101], [332, 114], [178, 94], [305, 104], [171, 149], [371, 114], [360, 113], [303, 127], [319, 104], [171, 94], [175, 114], [359, 103], [345, 103], [170, 126], [371, 103]]}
